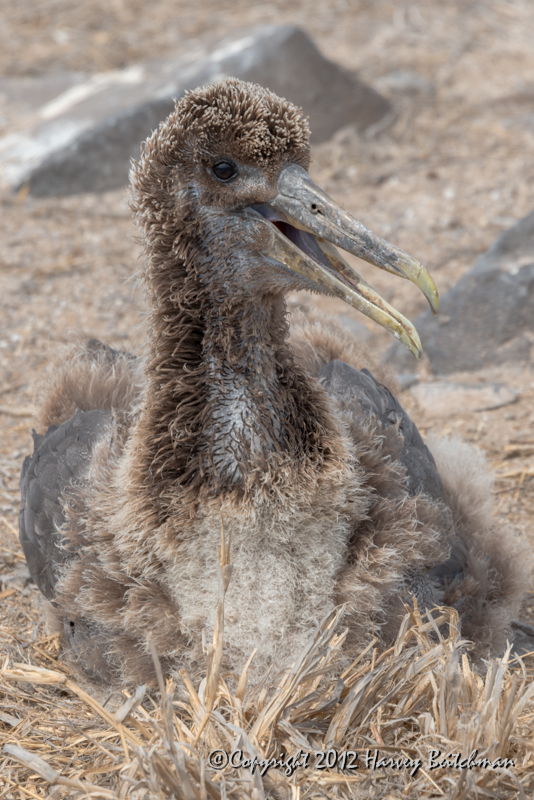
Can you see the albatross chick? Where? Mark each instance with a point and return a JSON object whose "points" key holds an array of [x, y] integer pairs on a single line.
{"points": [[323, 482]]}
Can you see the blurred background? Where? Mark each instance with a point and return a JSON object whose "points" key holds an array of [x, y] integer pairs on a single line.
{"points": [[447, 169]]}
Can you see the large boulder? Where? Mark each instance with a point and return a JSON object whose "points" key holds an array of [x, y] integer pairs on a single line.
{"points": [[87, 135], [487, 318]]}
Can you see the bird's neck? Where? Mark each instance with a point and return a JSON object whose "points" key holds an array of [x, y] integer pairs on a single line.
{"points": [[226, 405]]}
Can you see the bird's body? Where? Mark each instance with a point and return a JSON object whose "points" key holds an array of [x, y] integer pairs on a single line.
{"points": [[321, 481]]}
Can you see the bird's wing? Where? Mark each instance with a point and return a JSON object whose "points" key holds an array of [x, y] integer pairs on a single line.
{"points": [[358, 389], [361, 393], [60, 458]]}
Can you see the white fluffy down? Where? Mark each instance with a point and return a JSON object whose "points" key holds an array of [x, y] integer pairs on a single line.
{"points": [[467, 479]]}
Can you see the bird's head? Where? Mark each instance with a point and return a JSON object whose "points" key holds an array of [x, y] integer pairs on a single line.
{"points": [[225, 177]]}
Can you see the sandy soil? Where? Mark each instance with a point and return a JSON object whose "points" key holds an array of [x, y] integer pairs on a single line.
{"points": [[454, 170]]}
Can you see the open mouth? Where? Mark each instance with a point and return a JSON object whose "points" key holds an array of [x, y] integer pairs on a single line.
{"points": [[306, 229], [307, 242]]}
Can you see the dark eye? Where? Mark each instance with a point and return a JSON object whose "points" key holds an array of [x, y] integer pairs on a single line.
{"points": [[224, 170]]}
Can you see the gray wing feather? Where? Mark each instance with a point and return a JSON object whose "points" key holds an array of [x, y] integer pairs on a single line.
{"points": [[376, 401], [60, 458]]}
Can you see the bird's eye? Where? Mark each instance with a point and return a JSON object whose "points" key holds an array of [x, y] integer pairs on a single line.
{"points": [[224, 170]]}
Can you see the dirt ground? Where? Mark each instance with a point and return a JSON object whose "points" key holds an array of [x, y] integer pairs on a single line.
{"points": [[452, 172]]}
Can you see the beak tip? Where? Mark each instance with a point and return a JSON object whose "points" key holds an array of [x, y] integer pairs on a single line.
{"points": [[415, 348]]}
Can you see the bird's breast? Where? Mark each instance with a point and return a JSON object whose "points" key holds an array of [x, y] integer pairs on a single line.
{"points": [[286, 557]]}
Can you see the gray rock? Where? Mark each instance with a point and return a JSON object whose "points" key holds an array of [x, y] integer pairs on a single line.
{"points": [[442, 399], [487, 318], [88, 134], [26, 93]]}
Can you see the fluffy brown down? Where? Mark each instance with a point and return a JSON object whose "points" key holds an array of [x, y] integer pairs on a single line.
{"points": [[318, 513]]}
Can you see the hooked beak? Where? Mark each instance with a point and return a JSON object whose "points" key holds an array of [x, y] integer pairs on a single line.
{"points": [[306, 224]]}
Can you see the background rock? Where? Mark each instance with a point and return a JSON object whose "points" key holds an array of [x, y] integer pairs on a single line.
{"points": [[88, 133], [487, 318], [22, 95]]}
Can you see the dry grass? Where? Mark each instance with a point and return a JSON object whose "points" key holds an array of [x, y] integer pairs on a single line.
{"points": [[419, 696]]}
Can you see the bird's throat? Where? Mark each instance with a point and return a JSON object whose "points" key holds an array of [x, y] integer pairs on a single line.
{"points": [[252, 404]]}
